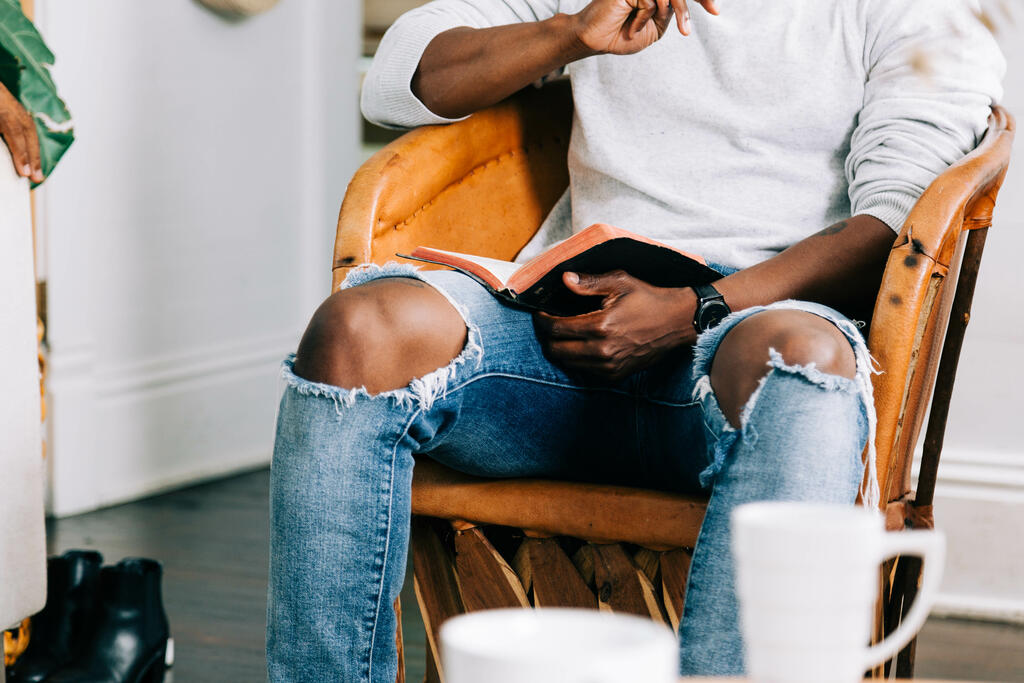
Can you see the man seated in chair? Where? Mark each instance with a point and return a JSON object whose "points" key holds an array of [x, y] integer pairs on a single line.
{"points": [[784, 141]]}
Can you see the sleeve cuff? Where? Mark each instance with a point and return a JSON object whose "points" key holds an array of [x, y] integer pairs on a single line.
{"points": [[387, 98], [892, 208]]}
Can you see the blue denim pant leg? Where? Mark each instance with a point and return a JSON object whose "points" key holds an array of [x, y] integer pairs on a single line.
{"points": [[342, 471], [801, 437]]}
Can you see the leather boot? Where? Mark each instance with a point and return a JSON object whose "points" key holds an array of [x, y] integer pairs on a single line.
{"points": [[60, 631], [130, 643]]}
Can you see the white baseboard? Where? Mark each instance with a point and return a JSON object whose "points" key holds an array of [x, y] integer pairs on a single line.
{"points": [[979, 504], [980, 608], [131, 430]]}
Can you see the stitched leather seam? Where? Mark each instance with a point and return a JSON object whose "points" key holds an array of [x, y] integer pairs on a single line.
{"points": [[912, 370]]}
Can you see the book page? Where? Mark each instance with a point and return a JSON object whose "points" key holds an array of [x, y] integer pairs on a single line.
{"points": [[501, 270]]}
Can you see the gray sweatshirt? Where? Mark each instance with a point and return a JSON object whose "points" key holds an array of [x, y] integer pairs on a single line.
{"points": [[770, 122]]}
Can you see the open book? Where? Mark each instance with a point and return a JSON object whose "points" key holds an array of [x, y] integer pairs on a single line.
{"points": [[598, 249]]}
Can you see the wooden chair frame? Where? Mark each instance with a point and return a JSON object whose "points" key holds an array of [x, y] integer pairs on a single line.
{"points": [[483, 185]]}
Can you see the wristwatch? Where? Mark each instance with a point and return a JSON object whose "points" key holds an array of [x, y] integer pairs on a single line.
{"points": [[711, 307]]}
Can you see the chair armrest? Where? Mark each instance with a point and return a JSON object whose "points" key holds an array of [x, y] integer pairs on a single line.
{"points": [[912, 310], [481, 185]]}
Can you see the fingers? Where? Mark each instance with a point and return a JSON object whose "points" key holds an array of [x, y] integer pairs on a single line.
{"points": [[709, 6], [13, 133], [614, 282], [682, 16], [664, 14], [586, 326], [645, 10], [682, 13], [592, 357], [18, 131], [32, 142]]}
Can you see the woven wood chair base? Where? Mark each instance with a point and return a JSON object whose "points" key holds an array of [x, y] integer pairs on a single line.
{"points": [[461, 567]]}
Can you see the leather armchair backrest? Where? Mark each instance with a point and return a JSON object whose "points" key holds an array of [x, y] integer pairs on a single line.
{"points": [[482, 185], [912, 311]]}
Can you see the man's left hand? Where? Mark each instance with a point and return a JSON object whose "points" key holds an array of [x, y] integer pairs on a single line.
{"points": [[636, 326]]}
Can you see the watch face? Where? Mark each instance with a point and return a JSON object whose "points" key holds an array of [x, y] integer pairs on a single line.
{"points": [[712, 313]]}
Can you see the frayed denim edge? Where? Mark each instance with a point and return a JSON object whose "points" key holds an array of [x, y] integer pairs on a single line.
{"points": [[861, 383], [421, 392]]}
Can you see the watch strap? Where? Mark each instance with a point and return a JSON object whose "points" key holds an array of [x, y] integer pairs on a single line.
{"points": [[711, 307], [706, 292]]}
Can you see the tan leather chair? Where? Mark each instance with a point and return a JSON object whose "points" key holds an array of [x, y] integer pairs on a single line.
{"points": [[483, 186]]}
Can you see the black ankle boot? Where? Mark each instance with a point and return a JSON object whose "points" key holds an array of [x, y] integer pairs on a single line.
{"points": [[61, 630], [130, 643]]}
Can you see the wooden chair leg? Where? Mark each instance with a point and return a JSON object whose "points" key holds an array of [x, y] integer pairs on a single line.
{"points": [[399, 642], [437, 589], [906, 581]]}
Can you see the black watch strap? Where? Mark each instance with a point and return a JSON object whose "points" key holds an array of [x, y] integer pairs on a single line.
{"points": [[711, 307]]}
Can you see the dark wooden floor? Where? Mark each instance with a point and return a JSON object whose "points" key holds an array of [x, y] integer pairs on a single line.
{"points": [[212, 540]]}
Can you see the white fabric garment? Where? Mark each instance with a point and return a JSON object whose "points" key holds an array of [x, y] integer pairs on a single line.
{"points": [[767, 124], [22, 536]]}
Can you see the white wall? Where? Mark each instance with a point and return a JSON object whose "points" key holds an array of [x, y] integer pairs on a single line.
{"points": [[980, 494], [188, 231]]}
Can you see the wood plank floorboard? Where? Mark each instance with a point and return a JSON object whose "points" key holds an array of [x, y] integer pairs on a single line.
{"points": [[212, 540]]}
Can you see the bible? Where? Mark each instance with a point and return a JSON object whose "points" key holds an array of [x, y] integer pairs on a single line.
{"points": [[600, 248]]}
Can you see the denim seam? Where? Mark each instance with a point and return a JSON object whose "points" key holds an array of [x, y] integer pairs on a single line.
{"points": [[387, 540], [669, 404], [535, 380]]}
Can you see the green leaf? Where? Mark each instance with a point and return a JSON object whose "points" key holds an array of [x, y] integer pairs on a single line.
{"points": [[10, 72], [35, 88]]}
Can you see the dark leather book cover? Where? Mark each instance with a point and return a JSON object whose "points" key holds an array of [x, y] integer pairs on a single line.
{"points": [[599, 248]]}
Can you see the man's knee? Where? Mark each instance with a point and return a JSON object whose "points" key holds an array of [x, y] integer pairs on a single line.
{"points": [[380, 335], [801, 338]]}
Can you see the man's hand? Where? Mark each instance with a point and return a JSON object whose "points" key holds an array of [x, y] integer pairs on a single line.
{"points": [[623, 27], [463, 70], [637, 325], [19, 132]]}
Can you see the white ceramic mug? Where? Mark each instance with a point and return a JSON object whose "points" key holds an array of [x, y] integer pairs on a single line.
{"points": [[556, 645], [807, 580]]}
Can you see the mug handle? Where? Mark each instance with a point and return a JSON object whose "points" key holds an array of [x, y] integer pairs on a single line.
{"points": [[930, 546]]}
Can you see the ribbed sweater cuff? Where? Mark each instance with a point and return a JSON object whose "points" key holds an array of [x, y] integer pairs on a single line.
{"points": [[392, 93], [892, 208]]}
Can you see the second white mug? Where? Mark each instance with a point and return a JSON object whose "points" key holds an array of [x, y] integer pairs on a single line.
{"points": [[807, 580], [556, 645]]}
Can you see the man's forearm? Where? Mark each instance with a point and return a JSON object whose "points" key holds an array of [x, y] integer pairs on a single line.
{"points": [[638, 323], [465, 69], [841, 266]]}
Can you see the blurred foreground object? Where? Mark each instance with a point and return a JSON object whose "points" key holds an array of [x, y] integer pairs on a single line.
{"points": [[242, 8], [25, 63], [22, 540]]}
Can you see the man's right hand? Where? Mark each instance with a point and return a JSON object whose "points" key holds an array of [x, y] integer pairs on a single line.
{"points": [[466, 69], [623, 27]]}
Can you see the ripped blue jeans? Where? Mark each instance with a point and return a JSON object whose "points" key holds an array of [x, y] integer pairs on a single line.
{"points": [[343, 462]]}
